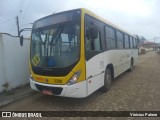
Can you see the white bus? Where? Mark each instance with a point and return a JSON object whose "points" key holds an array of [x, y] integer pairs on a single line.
{"points": [[76, 52]]}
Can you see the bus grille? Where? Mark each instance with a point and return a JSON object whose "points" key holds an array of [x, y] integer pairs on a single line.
{"points": [[55, 90]]}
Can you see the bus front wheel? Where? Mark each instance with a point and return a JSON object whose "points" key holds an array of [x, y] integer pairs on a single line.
{"points": [[107, 80]]}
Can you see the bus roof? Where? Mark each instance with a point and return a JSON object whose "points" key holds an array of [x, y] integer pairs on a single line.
{"points": [[84, 10]]}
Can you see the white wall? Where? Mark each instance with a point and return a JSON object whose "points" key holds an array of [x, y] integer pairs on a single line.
{"points": [[14, 61]]}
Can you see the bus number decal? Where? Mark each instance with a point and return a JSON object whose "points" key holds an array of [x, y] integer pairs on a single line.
{"points": [[58, 81]]}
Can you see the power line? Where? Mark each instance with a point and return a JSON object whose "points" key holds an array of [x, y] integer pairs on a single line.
{"points": [[12, 28], [27, 8], [20, 6], [3, 17], [57, 7], [25, 24], [7, 20]]}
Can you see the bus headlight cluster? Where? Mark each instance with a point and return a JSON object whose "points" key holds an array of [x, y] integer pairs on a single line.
{"points": [[74, 78], [31, 77]]}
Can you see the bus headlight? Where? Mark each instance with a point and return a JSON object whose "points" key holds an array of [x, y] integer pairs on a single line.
{"points": [[31, 77], [74, 78]]}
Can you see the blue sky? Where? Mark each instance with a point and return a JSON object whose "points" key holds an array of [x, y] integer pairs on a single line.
{"points": [[136, 16]]}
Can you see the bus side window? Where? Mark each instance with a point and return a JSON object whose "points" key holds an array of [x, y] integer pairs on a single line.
{"points": [[97, 46], [126, 41], [87, 39], [131, 43], [92, 42], [93, 36], [110, 38], [119, 40], [134, 43]]}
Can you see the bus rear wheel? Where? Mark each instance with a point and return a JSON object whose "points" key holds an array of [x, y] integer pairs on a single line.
{"points": [[131, 66], [107, 80]]}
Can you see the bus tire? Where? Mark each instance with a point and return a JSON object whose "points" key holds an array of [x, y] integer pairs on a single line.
{"points": [[107, 80], [131, 66]]}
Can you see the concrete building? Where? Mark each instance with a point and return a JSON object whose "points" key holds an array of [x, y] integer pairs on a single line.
{"points": [[14, 58], [157, 48], [146, 46]]}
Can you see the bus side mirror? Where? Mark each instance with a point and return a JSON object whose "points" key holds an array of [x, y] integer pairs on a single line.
{"points": [[21, 40], [94, 32]]}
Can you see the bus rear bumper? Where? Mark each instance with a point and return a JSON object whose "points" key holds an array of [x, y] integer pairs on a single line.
{"points": [[78, 90]]}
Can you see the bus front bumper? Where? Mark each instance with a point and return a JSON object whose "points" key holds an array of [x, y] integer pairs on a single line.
{"points": [[78, 90]]}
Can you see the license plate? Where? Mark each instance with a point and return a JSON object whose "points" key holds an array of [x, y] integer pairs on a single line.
{"points": [[47, 92]]}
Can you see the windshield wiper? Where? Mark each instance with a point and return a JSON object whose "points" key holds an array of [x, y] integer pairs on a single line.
{"points": [[55, 37]]}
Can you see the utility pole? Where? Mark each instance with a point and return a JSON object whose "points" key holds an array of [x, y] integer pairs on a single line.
{"points": [[17, 23]]}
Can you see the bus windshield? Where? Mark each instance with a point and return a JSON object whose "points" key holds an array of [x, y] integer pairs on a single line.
{"points": [[55, 47]]}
